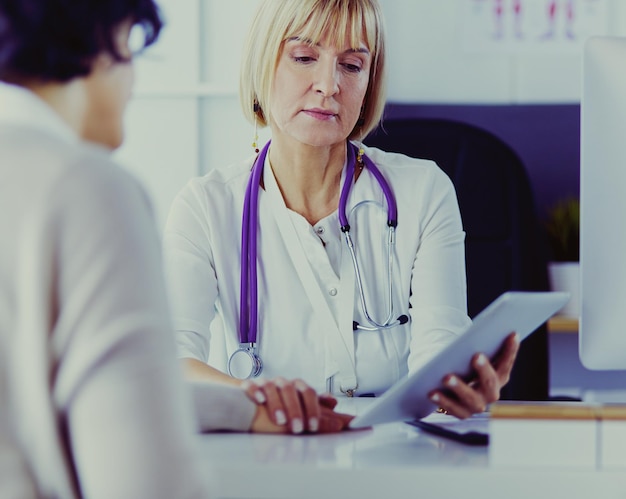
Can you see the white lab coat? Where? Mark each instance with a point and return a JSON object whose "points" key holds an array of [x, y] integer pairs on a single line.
{"points": [[91, 398], [297, 339]]}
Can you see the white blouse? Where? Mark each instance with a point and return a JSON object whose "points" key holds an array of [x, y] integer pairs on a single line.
{"points": [[308, 297]]}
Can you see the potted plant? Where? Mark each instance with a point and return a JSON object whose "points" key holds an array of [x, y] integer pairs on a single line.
{"points": [[563, 231]]}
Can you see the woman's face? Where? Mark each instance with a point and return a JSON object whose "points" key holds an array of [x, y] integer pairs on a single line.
{"points": [[109, 87], [318, 91]]}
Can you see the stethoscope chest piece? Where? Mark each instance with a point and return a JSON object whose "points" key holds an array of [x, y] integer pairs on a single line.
{"points": [[245, 363]]}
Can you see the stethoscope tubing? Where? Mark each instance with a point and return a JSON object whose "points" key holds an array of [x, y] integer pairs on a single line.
{"points": [[392, 222], [248, 301], [392, 208]]}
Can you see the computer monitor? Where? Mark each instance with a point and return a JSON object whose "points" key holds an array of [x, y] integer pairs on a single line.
{"points": [[602, 337]]}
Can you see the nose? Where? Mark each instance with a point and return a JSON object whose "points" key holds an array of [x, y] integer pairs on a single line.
{"points": [[326, 78]]}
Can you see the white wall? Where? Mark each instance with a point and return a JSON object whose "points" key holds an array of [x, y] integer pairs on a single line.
{"points": [[185, 118], [431, 60]]}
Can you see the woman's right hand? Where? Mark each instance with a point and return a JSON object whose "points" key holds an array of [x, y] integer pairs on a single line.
{"points": [[293, 407]]}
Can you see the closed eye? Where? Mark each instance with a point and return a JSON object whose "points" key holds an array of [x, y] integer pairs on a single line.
{"points": [[303, 59], [352, 68]]}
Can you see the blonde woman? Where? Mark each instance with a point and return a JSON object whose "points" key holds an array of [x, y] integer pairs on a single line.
{"points": [[280, 266]]}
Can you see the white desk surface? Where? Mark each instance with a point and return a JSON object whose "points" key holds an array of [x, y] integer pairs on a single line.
{"points": [[388, 461]]}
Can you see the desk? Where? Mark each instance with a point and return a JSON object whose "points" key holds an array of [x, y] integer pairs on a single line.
{"points": [[389, 461]]}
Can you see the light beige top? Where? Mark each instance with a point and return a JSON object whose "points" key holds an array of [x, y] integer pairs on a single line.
{"points": [[94, 403]]}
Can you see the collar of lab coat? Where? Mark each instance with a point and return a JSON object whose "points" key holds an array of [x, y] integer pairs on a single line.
{"points": [[366, 188]]}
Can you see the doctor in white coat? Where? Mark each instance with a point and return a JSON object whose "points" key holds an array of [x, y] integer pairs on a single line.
{"points": [[310, 305]]}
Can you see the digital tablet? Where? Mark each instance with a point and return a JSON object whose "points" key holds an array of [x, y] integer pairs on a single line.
{"points": [[514, 311]]}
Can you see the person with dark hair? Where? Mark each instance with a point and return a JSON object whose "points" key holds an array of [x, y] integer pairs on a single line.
{"points": [[92, 398], [92, 402]]}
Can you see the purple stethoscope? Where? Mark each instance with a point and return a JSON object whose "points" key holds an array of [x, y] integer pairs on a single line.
{"points": [[245, 362]]}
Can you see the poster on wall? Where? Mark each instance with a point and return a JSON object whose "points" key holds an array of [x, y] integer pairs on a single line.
{"points": [[530, 26]]}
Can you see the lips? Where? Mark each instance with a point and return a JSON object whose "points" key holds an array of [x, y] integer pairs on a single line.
{"points": [[320, 114]]}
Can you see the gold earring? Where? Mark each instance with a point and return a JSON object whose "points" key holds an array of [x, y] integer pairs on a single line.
{"points": [[255, 141], [359, 156]]}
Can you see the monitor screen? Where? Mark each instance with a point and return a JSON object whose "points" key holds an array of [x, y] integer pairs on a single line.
{"points": [[602, 338]]}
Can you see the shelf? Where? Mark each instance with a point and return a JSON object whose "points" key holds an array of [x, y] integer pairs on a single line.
{"points": [[563, 324]]}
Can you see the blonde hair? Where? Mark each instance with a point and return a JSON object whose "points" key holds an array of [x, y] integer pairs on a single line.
{"points": [[358, 21]]}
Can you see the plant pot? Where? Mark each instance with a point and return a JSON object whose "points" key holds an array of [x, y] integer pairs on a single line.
{"points": [[565, 276]]}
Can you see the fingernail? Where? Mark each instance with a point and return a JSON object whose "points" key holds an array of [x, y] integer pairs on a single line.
{"points": [[281, 419], [481, 360], [453, 381], [259, 397], [434, 397], [296, 426], [313, 424], [516, 337]]}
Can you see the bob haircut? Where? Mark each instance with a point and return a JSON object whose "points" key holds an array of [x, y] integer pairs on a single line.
{"points": [[58, 40], [358, 21]]}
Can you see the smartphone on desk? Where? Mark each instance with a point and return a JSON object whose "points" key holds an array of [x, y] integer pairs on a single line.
{"points": [[470, 431]]}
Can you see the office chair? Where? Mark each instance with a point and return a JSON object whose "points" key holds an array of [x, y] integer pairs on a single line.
{"points": [[504, 242]]}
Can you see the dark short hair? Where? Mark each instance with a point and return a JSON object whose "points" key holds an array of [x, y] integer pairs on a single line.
{"points": [[57, 40]]}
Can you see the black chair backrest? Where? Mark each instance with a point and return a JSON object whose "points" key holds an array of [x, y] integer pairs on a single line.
{"points": [[504, 242]]}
